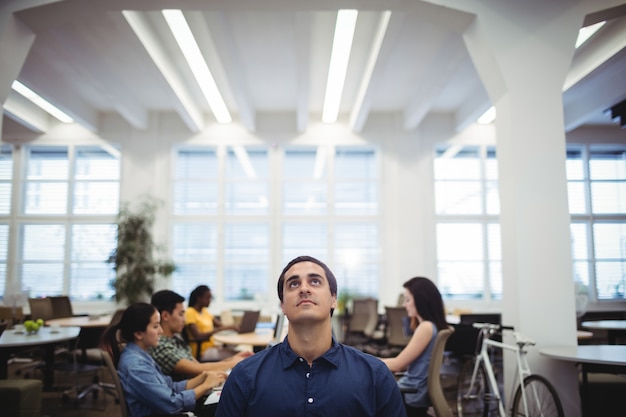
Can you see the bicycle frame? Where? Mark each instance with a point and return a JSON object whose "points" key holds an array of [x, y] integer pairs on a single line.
{"points": [[523, 370]]}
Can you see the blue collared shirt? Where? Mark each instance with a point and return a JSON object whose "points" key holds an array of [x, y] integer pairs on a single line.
{"points": [[343, 382], [147, 390]]}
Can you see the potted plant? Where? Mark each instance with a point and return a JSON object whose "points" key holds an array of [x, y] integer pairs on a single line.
{"points": [[135, 266]]}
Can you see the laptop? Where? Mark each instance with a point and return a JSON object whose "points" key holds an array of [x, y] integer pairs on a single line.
{"points": [[249, 321], [280, 330]]}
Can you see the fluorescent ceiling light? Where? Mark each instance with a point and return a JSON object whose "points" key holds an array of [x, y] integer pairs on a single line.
{"points": [[40, 101], [587, 32], [188, 45], [340, 55], [488, 116]]}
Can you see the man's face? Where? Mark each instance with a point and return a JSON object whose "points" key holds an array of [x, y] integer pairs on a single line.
{"points": [[306, 293], [174, 322]]}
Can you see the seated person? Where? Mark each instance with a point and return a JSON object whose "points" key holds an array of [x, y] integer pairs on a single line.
{"points": [[147, 390], [201, 325], [424, 306], [172, 353]]}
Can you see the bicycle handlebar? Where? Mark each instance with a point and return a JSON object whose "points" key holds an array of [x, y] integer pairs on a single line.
{"points": [[489, 328], [492, 326]]}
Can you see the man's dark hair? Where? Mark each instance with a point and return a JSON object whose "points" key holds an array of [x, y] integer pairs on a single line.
{"points": [[332, 281], [166, 300]]}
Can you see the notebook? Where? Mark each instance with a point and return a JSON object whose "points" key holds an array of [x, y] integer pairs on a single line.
{"points": [[249, 321]]}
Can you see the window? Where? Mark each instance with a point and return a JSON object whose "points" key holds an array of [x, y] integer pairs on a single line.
{"points": [[65, 225], [596, 177], [237, 229], [318, 201], [6, 177], [467, 231], [329, 187]]}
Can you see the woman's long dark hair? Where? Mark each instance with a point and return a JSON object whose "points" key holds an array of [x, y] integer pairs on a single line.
{"points": [[134, 319], [197, 292], [428, 302]]}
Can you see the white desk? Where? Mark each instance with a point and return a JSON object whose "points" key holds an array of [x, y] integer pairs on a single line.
{"points": [[593, 359], [12, 341], [613, 327], [258, 339], [81, 321]]}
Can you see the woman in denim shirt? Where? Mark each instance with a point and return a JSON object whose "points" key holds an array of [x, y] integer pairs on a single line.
{"points": [[148, 391], [424, 306]]}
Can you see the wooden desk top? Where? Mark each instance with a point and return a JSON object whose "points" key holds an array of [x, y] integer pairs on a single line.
{"points": [[45, 335], [260, 337], [614, 355], [81, 321]]}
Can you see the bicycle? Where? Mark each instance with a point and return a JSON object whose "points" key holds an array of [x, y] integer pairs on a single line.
{"points": [[478, 389]]}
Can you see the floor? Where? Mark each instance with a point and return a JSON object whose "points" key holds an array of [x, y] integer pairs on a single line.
{"points": [[57, 403]]}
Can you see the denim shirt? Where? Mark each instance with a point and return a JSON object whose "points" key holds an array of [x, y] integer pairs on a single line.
{"points": [[416, 376], [343, 382], [147, 390]]}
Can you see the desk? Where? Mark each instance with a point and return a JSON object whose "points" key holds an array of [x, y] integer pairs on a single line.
{"points": [[614, 328], [258, 339], [91, 329], [593, 359], [12, 341], [81, 321]]}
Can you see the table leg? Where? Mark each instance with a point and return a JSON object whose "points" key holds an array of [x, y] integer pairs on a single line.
{"points": [[585, 393], [4, 359], [48, 368]]}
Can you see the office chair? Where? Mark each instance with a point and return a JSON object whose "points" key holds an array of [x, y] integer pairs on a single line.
{"points": [[77, 365], [435, 391], [62, 307], [119, 391], [40, 308], [363, 321]]}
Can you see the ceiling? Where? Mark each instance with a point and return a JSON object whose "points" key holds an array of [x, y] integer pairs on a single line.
{"points": [[88, 61]]}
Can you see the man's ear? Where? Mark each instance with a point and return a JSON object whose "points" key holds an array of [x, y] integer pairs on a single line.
{"points": [[334, 303], [165, 315]]}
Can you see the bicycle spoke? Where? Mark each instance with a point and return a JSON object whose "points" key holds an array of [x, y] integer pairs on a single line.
{"points": [[541, 399]]}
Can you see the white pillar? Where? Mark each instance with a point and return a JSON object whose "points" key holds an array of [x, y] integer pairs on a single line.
{"points": [[522, 53]]}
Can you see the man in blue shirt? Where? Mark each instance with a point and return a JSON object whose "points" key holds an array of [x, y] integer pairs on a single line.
{"points": [[310, 374]]}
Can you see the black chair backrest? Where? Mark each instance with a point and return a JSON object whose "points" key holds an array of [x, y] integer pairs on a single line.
{"points": [[61, 306], [40, 308]]}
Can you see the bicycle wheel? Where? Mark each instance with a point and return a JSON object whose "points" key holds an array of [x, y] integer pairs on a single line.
{"points": [[541, 398], [471, 404]]}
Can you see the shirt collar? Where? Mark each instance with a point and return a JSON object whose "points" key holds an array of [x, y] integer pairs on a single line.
{"points": [[289, 357]]}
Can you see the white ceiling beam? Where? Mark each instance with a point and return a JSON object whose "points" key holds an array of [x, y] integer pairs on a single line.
{"points": [[211, 30], [450, 56], [594, 93], [607, 42], [26, 113], [360, 110], [472, 109], [113, 89], [303, 62], [189, 112]]}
